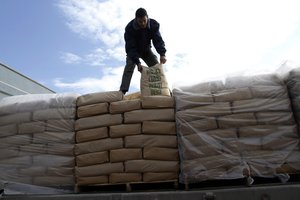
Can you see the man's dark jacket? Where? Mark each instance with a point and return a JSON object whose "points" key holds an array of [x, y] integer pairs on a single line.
{"points": [[138, 40]]}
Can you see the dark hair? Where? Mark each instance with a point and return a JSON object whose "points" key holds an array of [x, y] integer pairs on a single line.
{"points": [[141, 12]]}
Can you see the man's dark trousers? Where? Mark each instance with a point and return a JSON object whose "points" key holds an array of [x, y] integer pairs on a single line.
{"points": [[148, 57]]}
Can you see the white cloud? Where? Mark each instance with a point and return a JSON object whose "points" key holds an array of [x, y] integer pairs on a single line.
{"points": [[118, 53], [204, 39], [222, 37], [110, 81], [100, 20], [96, 57], [71, 58]]}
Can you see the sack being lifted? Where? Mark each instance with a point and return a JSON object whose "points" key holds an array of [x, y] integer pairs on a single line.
{"points": [[154, 82]]}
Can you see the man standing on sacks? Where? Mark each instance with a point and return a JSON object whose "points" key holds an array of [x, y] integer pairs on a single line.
{"points": [[139, 33]]}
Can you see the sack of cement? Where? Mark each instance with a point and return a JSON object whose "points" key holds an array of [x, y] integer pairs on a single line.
{"points": [[154, 81]]}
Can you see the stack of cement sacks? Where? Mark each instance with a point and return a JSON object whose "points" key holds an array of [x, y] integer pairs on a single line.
{"points": [[125, 141], [242, 128], [37, 139], [293, 84]]}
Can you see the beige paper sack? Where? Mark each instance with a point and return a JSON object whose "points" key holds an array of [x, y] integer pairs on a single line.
{"points": [[154, 82]]}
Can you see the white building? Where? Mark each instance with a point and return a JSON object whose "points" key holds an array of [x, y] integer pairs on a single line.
{"points": [[13, 83]]}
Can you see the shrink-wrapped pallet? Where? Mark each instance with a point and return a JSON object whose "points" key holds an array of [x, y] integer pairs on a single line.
{"points": [[222, 130], [293, 85], [37, 139]]}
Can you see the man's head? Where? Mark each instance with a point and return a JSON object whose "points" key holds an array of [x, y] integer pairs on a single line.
{"points": [[141, 17]]}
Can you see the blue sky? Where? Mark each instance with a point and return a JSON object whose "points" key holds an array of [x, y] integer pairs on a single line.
{"points": [[78, 46]]}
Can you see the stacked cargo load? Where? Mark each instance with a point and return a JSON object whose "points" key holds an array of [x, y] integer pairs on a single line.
{"points": [[242, 128], [92, 138], [293, 84], [158, 140], [292, 81], [37, 139], [275, 130], [125, 141]]}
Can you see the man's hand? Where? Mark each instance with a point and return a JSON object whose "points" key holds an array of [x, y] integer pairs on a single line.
{"points": [[140, 67], [163, 59]]}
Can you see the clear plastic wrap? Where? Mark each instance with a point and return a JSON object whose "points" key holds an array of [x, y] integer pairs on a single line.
{"points": [[37, 139], [242, 127], [292, 79]]}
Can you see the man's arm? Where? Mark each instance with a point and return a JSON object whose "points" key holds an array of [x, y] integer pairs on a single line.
{"points": [[131, 47], [159, 43]]}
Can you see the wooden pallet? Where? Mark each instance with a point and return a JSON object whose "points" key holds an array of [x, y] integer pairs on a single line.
{"points": [[128, 187]]}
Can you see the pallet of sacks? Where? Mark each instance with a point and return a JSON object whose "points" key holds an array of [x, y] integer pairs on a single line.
{"points": [[241, 128], [37, 139], [121, 141], [292, 80]]}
